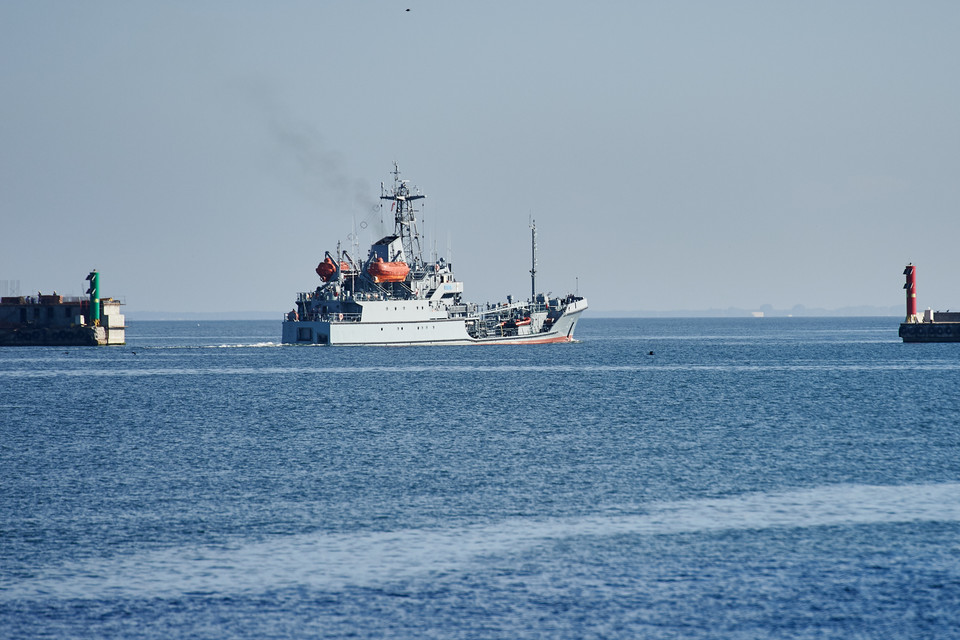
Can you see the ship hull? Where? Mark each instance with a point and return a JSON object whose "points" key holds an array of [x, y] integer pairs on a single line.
{"points": [[426, 332]]}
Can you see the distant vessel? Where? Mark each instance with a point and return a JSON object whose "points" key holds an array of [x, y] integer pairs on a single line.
{"points": [[395, 297], [62, 321], [939, 326]]}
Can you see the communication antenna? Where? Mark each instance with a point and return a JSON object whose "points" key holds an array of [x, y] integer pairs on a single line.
{"points": [[355, 240], [10, 288]]}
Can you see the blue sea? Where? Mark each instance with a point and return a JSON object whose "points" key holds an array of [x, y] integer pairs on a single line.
{"points": [[749, 478]]}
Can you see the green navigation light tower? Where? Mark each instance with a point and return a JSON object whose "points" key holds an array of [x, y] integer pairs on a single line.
{"points": [[94, 292]]}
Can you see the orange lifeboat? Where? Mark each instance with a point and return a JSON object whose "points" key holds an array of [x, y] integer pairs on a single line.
{"points": [[516, 322], [327, 269], [382, 271]]}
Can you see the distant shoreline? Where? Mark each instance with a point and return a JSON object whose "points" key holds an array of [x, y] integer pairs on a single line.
{"points": [[762, 312], [194, 316], [850, 312]]}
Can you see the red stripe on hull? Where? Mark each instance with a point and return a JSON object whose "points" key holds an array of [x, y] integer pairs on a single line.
{"points": [[523, 341]]}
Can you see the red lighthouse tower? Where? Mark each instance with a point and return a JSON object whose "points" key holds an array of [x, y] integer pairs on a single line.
{"points": [[911, 286]]}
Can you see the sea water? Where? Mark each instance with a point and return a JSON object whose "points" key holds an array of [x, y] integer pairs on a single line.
{"points": [[660, 478]]}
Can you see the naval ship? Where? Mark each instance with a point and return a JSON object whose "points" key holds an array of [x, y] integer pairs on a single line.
{"points": [[396, 297]]}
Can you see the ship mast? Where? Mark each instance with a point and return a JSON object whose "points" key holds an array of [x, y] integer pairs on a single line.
{"points": [[533, 269], [404, 215]]}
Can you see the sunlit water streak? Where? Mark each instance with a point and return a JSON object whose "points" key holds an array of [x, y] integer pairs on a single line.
{"points": [[334, 561]]}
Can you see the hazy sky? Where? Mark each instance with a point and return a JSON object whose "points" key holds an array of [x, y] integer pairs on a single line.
{"points": [[675, 155]]}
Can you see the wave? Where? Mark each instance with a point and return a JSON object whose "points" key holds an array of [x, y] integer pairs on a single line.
{"points": [[937, 366]]}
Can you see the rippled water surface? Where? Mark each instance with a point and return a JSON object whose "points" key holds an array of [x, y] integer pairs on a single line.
{"points": [[752, 478]]}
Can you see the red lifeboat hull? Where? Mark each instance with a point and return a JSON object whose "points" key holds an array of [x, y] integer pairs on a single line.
{"points": [[382, 271], [327, 269], [512, 324]]}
